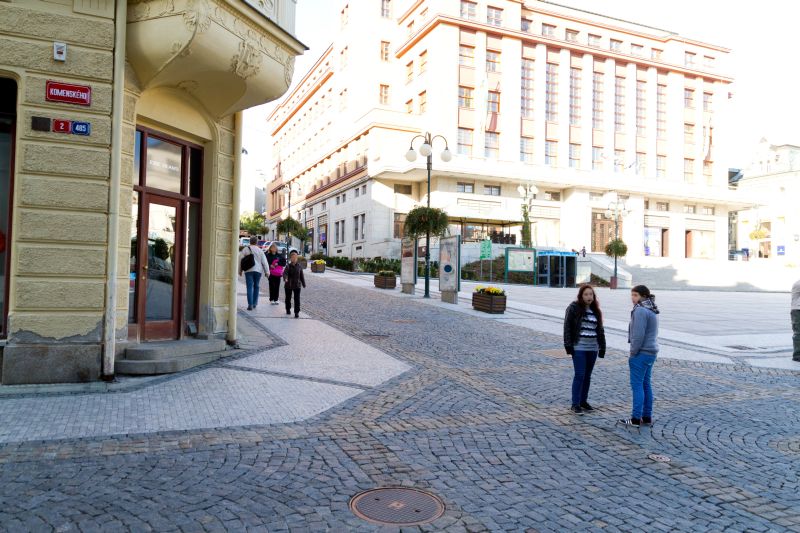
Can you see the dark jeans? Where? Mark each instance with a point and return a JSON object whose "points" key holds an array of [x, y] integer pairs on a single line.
{"points": [[641, 367], [289, 293], [252, 279], [583, 361], [274, 288], [796, 333]]}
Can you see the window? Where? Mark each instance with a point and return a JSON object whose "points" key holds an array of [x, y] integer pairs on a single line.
{"points": [[344, 197], [571, 36], [552, 196], [409, 71], [598, 94], [661, 111], [690, 209], [464, 146], [641, 108], [343, 16], [492, 145], [399, 225], [574, 155], [465, 187], [343, 57], [338, 200], [596, 196], [410, 106], [597, 158], [707, 210], [526, 149], [688, 133], [468, 10], [492, 61], [707, 168], [688, 170], [619, 160], [708, 61], [661, 166], [343, 100], [551, 93], [688, 98], [410, 27], [637, 49], [656, 54], [525, 25], [707, 99], [386, 8], [548, 30], [384, 50], [493, 102], [358, 191], [594, 40], [359, 221], [619, 104], [342, 228], [688, 58], [615, 45], [363, 226], [423, 62], [356, 220], [324, 206], [402, 188], [491, 190], [423, 101], [527, 91], [662, 206], [574, 96], [384, 95], [551, 153], [494, 16], [641, 164], [465, 97], [466, 56]]}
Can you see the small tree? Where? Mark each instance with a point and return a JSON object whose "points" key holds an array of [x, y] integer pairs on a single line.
{"points": [[616, 248], [422, 219], [292, 228], [253, 223], [526, 227]]}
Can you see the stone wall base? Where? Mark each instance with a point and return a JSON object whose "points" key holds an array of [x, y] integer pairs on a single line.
{"points": [[46, 363]]}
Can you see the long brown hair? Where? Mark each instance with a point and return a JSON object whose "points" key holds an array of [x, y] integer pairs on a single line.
{"points": [[594, 306]]}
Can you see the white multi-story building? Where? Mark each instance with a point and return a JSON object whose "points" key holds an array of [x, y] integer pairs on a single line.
{"points": [[584, 107]]}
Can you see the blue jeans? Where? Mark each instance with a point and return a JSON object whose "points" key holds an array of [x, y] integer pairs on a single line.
{"points": [[583, 361], [252, 279], [641, 366]]}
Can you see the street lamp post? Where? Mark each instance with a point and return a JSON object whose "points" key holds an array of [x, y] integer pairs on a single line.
{"points": [[426, 149], [287, 191], [616, 208]]}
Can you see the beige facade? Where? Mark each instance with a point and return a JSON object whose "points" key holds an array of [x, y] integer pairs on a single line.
{"points": [[174, 74]]}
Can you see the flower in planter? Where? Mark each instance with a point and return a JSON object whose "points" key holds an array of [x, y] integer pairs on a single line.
{"points": [[387, 273], [318, 262], [496, 291]]}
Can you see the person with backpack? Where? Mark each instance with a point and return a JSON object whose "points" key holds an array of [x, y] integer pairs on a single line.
{"points": [[643, 338], [585, 341], [293, 279], [254, 265], [276, 262]]}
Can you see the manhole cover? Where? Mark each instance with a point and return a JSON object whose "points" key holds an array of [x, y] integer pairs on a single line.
{"points": [[659, 458], [397, 506]]}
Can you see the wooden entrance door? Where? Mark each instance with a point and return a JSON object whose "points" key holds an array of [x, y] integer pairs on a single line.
{"points": [[602, 232]]}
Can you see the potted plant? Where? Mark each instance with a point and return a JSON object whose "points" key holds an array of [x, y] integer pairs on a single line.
{"points": [[489, 300], [616, 248], [385, 279], [318, 266], [422, 220]]}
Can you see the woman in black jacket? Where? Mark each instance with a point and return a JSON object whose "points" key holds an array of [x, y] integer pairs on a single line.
{"points": [[585, 341]]}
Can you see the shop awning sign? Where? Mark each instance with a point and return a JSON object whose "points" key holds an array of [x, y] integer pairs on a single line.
{"points": [[68, 93]]}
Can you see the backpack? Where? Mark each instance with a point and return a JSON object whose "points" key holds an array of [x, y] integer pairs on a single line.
{"points": [[248, 261]]}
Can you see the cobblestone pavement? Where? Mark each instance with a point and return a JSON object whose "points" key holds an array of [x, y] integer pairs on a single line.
{"points": [[480, 420]]}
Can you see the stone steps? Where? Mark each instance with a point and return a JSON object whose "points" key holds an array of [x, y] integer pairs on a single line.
{"points": [[168, 357]]}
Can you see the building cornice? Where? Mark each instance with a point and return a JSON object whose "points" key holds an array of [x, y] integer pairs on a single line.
{"points": [[300, 85], [313, 90]]}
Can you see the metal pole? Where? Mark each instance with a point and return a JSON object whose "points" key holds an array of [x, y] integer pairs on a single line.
{"points": [[616, 238], [428, 234], [288, 216]]}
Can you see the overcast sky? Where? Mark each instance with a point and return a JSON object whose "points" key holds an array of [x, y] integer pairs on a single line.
{"points": [[762, 35]]}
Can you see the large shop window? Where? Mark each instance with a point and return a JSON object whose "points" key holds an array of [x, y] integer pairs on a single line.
{"points": [[8, 115]]}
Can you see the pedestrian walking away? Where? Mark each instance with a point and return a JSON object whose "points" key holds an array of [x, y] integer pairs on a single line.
{"points": [[276, 262], [795, 314], [585, 341], [293, 279], [643, 338], [254, 265]]}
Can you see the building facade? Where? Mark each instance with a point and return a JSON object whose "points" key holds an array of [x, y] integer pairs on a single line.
{"points": [[770, 228], [120, 141], [586, 109]]}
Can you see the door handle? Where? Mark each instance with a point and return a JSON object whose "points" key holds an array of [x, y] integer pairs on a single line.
{"points": [[144, 267]]}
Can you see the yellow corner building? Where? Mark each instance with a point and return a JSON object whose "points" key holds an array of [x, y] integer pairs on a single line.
{"points": [[120, 147]]}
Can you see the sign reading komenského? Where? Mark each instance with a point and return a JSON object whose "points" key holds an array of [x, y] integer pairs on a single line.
{"points": [[68, 93]]}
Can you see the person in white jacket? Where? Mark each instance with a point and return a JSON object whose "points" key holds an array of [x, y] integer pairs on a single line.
{"points": [[252, 274]]}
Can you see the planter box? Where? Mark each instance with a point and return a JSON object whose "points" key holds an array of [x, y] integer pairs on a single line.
{"points": [[303, 263], [385, 282], [317, 268], [489, 303]]}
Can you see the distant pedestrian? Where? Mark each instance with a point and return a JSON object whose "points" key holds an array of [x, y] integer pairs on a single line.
{"points": [[585, 341], [254, 265], [643, 337], [276, 262], [796, 320], [293, 279], [583, 251]]}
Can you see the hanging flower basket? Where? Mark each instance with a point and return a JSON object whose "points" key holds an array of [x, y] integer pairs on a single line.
{"points": [[489, 300], [386, 279]]}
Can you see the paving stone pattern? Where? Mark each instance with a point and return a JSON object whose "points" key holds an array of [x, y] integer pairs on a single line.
{"points": [[480, 420]]}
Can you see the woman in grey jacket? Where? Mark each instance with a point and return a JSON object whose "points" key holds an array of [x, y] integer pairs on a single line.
{"points": [[643, 338]]}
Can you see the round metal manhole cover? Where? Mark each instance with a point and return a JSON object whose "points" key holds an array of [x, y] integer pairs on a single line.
{"points": [[659, 458], [397, 506]]}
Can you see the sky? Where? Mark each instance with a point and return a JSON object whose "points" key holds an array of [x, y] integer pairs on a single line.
{"points": [[763, 37]]}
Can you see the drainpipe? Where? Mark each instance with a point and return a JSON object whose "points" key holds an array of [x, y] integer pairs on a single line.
{"points": [[110, 311], [237, 185]]}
